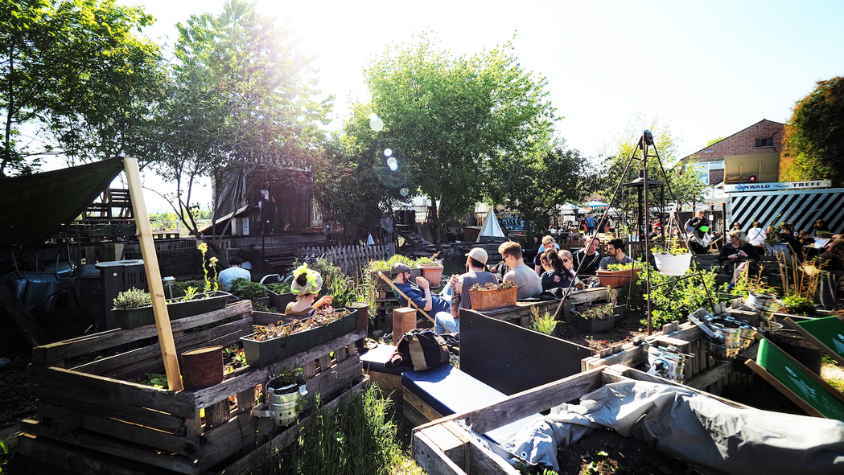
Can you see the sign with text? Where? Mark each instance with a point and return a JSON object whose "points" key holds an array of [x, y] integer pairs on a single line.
{"points": [[777, 186]]}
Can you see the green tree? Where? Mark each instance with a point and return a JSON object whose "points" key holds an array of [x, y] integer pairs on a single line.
{"points": [[242, 96], [453, 121], [714, 141], [537, 185], [814, 136], [73, 74], [683, 178]]}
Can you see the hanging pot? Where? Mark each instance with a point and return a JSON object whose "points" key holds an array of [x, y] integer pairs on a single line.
{"points": [[670, 264]]}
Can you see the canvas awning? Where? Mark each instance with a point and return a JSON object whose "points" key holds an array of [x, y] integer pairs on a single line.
{"points": [[490, 227], [34, 207]]}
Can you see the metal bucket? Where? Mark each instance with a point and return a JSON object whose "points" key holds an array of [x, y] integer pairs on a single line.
{"points": [[281, 405], [763, 302], [748, 334]]}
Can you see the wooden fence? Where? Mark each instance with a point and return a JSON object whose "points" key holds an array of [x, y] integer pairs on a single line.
{"points": [[351, 259]]}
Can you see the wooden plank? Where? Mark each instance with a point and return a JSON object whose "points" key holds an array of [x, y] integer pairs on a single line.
{"points": [[156, 288], [526, 403], [185, 342], [483, 460], [47, 354], [230, 387], [334, 378], [630, 357], [245, 400], [101, 388], [121, 430], [217, 414], [13, 307], [107, 445], [77, 460], [80, 401], [247, 463], [412, 400], [710, 376], [431, 457]]}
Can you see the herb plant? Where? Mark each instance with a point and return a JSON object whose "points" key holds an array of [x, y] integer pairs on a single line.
{"points": [[132, 298]]}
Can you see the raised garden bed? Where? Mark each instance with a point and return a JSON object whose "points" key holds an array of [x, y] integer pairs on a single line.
{"points": [[138, 317], [93, 418]]}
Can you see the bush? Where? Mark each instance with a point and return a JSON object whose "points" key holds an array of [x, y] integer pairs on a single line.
{"points": [[132, 298], [245, 289]]}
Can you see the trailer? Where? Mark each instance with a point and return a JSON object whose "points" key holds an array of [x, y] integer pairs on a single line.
{"points": [[800, 207]]}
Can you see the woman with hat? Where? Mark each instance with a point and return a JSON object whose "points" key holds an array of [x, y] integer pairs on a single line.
{"points": [[306, 285]]}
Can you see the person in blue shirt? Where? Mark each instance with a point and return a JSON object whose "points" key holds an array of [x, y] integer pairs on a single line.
{"points": [[234, 271], [590, 224], [419, 292]]}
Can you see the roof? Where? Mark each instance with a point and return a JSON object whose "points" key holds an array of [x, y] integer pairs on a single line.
{"points": [[725, 138]]}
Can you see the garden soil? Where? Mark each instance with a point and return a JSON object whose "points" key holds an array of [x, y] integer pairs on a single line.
{"points": [[607, 452], [625, 331]]}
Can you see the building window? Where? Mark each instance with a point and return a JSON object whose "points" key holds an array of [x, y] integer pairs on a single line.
{"points": [[768, 142]]}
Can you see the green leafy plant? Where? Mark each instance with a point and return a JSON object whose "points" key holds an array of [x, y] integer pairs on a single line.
{"points": [[279, 288], [542, 324], [799, 305], [426, 261], [245, 289], [599, 312], [132, 298], [180, 288], [190, 293], [260, 307], [156, 380], [673, 247]]}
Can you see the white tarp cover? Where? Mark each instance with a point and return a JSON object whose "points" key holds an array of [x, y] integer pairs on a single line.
{"points": [[490, 227], [683, 424]]}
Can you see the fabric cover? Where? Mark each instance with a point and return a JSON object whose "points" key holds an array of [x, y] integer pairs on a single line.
{"points": [[683, 424], [376, 358], [35, 206]]}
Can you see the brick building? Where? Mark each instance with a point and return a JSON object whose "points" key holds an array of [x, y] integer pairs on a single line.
{"points": [[751, 151]]}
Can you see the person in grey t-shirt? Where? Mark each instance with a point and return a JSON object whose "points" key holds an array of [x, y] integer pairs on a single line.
{"points": [[615, 251], [525, 278]]}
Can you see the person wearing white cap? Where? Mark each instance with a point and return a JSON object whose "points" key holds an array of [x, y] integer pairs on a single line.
{"points": [[476, 273]]}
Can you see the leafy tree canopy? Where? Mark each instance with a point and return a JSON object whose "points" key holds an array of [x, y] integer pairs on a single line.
{"points": [[453, 122], [73, 74], [682, 178], [814, 136], [241, 95]]}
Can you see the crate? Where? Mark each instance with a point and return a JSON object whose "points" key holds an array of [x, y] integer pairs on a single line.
{"points": [[93, 419], [445, 447]]}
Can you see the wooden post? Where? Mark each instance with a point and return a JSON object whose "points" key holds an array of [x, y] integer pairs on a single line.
{"points": [[156, 288], [404, 320]]}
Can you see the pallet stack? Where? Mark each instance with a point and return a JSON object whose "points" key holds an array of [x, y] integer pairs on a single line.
{"points": [[92, 419]]}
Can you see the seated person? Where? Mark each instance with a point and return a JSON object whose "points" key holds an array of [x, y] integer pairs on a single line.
{"points": [[568, 266], [806, 238], [306, 285], [234, 271], [833, 258], [556, 273], [476, 273], [548, 242], [588, 259], [738, 252], [527, 281], [615, 254], [786, 235], [419, 292]]}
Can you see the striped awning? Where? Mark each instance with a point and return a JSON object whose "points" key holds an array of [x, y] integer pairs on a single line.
{"points": [[801, 207]]}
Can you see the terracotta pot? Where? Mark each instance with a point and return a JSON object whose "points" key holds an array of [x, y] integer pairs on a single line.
{"points": [[202, 368], [492, 299], [618, 278], [432, 274]]}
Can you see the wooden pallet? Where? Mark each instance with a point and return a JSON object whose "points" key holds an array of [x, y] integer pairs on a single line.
{"points": [[92, 407]]}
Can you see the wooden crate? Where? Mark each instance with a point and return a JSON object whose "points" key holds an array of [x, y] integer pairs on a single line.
{"points": [[92, 408], [701, 371], [443, 447]]}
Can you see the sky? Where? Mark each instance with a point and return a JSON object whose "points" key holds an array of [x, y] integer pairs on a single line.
{"points": [[708, 69]]}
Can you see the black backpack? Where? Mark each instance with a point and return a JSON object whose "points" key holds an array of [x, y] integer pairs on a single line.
{"points": [[423, 348]]}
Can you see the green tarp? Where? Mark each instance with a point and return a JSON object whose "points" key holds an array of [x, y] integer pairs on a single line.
{"points": [[33, 207], [828, 330], [795, 379]]}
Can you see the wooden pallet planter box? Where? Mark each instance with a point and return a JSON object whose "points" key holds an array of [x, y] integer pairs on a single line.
{"points": [[444, 447], [702, 371], [91, 411], [138, 317]]}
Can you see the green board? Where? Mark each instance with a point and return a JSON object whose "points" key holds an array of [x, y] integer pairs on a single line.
{"points": [[829, 331], [795, 379]]}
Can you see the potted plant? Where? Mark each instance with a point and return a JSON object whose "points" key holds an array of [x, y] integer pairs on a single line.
{"points": [[596, 319], [432, 270], [672, 260], [619, 275], [280, 295], [270, 343], [491, 296], [133, 308], [245, 289], [285, 397]]}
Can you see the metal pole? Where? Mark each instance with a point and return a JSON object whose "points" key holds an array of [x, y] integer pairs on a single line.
{"points": [[647, 239]]}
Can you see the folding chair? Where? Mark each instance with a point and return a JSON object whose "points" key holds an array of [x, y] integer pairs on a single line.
{"points": [[798, 383], [827, 333]]}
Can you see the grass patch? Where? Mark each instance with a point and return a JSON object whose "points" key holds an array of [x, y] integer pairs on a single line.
{"points": [[364, 436], [832, 373]]}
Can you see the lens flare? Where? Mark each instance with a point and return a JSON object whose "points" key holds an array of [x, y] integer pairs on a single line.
{"points": [[404, 191], [392, 163], [388, 152], [375, 122]]}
